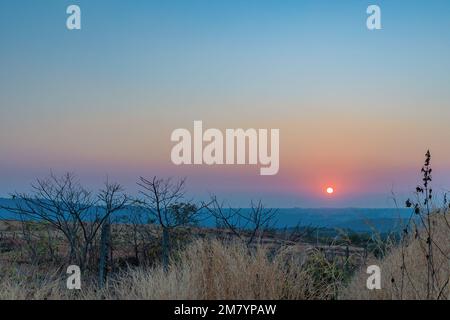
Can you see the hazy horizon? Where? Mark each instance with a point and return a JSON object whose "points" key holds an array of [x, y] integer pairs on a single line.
{"points": [[356, 109]]}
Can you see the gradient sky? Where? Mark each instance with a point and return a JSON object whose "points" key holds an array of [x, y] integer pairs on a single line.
{"points": [[356, 109]]}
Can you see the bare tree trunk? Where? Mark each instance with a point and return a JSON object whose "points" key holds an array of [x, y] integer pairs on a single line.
{"points": [[104, 244], [136, 246], [165, 248]]}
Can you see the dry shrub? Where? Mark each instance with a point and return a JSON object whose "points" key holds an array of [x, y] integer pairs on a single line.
{"points": [[404, 270]]}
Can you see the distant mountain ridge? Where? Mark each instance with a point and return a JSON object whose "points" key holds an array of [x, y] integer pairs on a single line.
{"points": [[356, 219]]}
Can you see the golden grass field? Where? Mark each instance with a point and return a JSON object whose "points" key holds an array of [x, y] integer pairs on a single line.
{"points": [[213, 269]]}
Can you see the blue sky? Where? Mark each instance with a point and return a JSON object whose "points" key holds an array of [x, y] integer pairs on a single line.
{"points": [[360, 107]]}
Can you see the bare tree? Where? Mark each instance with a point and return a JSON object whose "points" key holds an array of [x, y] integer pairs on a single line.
{"points": [[300, 233], [70, 209], [164, 199], [112, 199], [136, 229], [248, 226]]}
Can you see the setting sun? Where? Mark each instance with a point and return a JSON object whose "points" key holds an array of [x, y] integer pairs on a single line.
{"points": [[330, 190]]}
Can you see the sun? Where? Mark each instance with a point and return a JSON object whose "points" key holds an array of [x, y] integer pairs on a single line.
{"points": [[330, 190]]}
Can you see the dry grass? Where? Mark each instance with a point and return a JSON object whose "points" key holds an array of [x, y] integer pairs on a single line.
{"points": [[210, 269], [205, 270], [411, 281], [24, 284]]}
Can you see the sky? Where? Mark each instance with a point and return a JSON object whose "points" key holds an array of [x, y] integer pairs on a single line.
{"points": [[356, 109]]}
